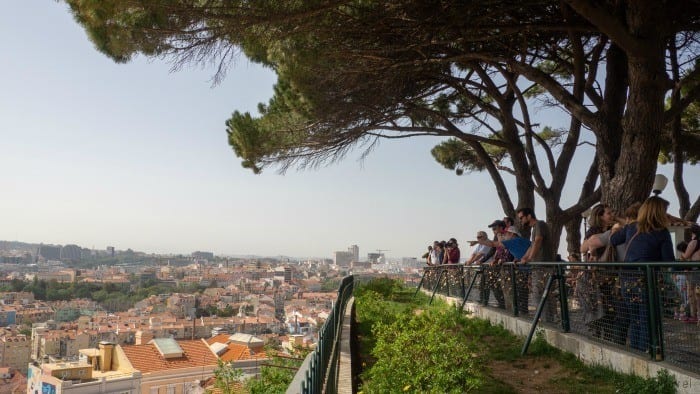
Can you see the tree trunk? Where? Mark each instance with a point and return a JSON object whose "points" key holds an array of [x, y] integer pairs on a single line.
{"points": [[677, 149], [609, 132], [555, 221], [643, 120], [693, 212], [573, 235]]}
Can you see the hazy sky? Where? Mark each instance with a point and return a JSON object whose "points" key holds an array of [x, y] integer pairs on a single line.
{"points": [[134, 156]]}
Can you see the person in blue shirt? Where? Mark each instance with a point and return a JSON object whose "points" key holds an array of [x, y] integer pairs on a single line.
{"points": [[648, 240]]}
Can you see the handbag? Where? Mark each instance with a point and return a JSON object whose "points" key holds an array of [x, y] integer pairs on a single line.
{"points": [[609, 255]]}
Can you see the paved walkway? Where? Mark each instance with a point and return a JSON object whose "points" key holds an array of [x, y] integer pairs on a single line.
{"points": [[345, 361]]}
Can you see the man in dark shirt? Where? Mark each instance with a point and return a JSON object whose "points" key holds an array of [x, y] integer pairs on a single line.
{"points": [[541, 247], [540, 250]]}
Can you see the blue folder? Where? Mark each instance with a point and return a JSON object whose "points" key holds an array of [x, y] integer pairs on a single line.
{"points": [[517, 246]]}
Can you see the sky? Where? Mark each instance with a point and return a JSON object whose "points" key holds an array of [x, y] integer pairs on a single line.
{"points": [[135, 156]]}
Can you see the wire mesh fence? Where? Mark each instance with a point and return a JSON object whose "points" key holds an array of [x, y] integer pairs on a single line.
{"points": [[650, 308]]}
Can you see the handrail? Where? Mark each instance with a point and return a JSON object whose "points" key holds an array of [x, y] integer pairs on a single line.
{"points": [[319, 372]]}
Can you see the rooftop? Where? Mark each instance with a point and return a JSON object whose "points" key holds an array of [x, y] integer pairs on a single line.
{"points": [[230, 349], [147, 358]]}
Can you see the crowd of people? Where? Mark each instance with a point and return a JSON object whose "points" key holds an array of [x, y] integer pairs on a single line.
{"points": [[612, 300]]}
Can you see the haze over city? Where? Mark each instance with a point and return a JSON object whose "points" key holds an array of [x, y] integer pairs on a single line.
{"points": [[135, 156]]}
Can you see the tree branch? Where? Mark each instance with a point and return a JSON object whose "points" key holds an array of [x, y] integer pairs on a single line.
{"points": [[558, 92], [693, 212], [693, 94], [604, 20]]}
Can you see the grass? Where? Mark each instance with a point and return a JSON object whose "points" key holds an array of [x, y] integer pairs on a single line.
{"points": [[385, 308]]}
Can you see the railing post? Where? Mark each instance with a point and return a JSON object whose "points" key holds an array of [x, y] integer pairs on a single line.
{"points": [[653, 311], [538, 313], [313, 366], [514, 285], [437, 284], [482, 286], [563, 302], [476, 273]]}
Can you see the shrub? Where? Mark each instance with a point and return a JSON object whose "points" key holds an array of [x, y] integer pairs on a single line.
{"points": [[427, 352]]}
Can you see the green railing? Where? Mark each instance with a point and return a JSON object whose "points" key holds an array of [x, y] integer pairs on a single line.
{"points": [[647, 308], [319, 372]]}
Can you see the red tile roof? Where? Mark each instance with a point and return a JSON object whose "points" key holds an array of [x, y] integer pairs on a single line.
{"points": [[235, 351], [146, 358]]}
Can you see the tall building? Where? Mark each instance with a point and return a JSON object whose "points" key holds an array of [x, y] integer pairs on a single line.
{"points": [[46, 252], [14, 351], [355, 250], [110, 251], [342, 259], [71, 252], [288, 274]]}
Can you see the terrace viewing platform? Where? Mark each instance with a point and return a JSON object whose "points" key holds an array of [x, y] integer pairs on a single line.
{"points": [[626, 317]]}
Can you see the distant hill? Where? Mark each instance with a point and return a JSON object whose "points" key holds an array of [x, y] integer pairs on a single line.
{"points": [[16, 245]]}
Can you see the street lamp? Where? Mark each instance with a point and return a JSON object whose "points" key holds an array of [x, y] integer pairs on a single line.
{"points": [[660, 182], [585, 215]]}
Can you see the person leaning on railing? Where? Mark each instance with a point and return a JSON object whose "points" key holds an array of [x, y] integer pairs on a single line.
{"points": [[648, 240], [622, 317], [691, 252], [436, 255], [452, 252], [603, 240], [595, 286]]}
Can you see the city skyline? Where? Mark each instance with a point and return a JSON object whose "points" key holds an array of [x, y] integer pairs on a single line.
{"points": [[135, 156]]}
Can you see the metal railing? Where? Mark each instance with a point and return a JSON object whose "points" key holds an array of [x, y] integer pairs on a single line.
{"points": [[319, 372], [645, 308]]}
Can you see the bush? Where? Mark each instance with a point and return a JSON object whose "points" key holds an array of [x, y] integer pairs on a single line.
{"points": [[417, 351], [663, 383]]}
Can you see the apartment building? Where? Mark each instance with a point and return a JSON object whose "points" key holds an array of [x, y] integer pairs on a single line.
{"points": [[14, 351], [101, 370]]}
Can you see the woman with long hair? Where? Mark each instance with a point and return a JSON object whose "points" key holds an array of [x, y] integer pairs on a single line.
{"points": [[648, 240], [594, 286]]}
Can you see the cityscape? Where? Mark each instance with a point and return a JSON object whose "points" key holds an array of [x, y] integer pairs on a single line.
{"points": [[214, 197], [124, 320]]}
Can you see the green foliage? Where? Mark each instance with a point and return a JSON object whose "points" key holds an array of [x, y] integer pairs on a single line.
{"points": [[540, 347], [662, 383], [384, 287], [112, 296], [226, 376], [409, 346], [424, 352], [454, 154], [274, 377]]}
